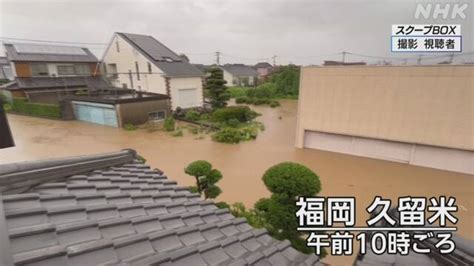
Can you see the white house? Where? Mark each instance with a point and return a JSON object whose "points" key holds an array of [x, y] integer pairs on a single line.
{"points": [[142, 63], [239, 75]]}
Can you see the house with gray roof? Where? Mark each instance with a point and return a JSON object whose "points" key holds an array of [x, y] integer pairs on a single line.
{"points": [[142, 63], [43, 73], [239, 75], [111, 209]]}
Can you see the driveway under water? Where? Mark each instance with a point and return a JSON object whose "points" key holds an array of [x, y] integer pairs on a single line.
{"points": [[243, 165]]}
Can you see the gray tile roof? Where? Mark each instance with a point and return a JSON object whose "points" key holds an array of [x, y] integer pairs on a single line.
{"points": [[240, 70], [14, 56], [63, 82], [112, 210], [158, 54]]}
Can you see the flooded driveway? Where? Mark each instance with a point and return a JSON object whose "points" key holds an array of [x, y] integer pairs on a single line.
{"points": [[243, 165]]}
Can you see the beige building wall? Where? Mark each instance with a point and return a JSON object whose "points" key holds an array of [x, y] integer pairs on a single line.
{"points": [[125, 59], [431, 107]]}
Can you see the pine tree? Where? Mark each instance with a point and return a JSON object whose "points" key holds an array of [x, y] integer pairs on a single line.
{"points": [[217, 90]]}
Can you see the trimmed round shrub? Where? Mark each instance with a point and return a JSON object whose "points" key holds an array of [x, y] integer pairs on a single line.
{"points": [[192, 115], [198, 168], [241, 113], [228, 135], [292, 179]]}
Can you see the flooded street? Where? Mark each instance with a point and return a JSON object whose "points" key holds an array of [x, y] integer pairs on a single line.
{"points": [[244, 164]]}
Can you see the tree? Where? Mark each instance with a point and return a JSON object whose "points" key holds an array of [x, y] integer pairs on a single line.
{"points": [[287, 181], [286, 80], [216, 88], [206, 178]]}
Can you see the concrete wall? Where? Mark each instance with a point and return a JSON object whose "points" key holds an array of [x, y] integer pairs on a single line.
{"points": [[137, 113], [125, 61], [430, 106]]}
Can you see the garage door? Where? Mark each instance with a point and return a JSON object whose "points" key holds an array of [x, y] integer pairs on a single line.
{"points": [[187, 98], [379, 149], [103, 114]]}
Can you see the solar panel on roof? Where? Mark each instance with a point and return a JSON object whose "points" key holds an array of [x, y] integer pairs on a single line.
{"points": [[48, 49], [153, 48]]}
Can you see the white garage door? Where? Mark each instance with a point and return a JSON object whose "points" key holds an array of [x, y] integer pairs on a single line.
{"points": [[187, 98], [380, 149]]}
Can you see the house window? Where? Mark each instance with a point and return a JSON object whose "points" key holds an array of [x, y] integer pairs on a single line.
{"points": [[72, 70], [117, 46], [66, 70], [124, 85], [39, 70], [137, 69], [82, 69], [149, 67], [156, 116]]}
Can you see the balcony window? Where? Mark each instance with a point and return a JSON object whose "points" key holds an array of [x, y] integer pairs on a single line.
{"points": [[74, 70], [38, 70]]}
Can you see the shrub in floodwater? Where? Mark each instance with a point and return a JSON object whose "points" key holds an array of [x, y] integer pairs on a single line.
{"points": [[192, 115], [228, 135], [169, 124]]}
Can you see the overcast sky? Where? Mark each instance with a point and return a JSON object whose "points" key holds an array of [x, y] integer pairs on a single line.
{"points": [[301, 32]]}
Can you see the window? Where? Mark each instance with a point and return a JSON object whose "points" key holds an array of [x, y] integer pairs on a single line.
{"points": [[39, 70], [149, 67], [156, 116], [137, 70], [72, 70], [117, 46], [124, 85], [66, 70], [82, 69]]}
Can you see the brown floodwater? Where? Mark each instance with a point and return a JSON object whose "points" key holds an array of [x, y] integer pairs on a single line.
{"points": [[243, 164]]}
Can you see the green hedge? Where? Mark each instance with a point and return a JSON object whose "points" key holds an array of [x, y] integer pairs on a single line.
{"points": [[22, 106]]}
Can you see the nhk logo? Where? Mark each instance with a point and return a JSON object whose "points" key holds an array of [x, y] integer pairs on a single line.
{"points": [[441, 10]]}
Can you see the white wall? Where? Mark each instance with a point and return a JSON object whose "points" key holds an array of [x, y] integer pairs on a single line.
{"points": [[125, 61], [228, 77]]}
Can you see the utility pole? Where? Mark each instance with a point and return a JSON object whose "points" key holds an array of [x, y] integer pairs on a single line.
{"points": [[274, 60], [451, 57], [419, 59], [218, 54], [344, 56]]}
